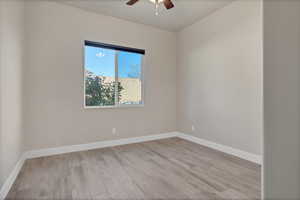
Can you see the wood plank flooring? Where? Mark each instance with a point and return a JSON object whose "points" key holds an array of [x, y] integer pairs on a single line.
{"points": [[163, 169]]}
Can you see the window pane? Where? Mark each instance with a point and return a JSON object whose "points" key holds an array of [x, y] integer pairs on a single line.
{"points": [[99, 76], [129, 77]]}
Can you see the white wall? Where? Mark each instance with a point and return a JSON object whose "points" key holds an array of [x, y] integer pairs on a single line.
{"points": [[281, 99], [54, 77], [220, 77], [11, 68]]}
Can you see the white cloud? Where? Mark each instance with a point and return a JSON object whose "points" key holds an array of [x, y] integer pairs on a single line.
{"points": [[100, 54]]}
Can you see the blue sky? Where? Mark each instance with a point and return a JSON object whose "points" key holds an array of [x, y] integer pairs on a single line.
{"points": [[101, 62]]}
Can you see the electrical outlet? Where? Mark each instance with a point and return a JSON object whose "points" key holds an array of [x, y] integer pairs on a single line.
{"points": [[114, 131], [193, 128]]}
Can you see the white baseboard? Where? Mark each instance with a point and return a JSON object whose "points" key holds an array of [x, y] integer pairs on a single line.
{"points": [[12, 177], [83, 147], [96, 145], [226, 149]]}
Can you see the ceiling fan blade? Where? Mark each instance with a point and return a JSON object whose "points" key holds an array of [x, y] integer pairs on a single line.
{"points": [[168, 4], [131, 2]]}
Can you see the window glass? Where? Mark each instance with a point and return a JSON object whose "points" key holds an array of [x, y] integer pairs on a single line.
{"points": [[129, 77], [99, 76], [113, 77]]}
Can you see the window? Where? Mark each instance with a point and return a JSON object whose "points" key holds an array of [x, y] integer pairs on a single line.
{"points": [[112, 75]]}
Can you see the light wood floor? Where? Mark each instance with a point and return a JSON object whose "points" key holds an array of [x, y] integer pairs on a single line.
{"points": [[163, 169]]}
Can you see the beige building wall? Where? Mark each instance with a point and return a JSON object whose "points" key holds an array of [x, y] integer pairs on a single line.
{"points": [[132, 91]]}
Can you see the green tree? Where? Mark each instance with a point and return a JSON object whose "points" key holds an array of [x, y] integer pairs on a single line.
{"points": [[99, 92]]}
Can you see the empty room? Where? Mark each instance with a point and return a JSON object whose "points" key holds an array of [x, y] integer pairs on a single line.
{"points": [[149, 99]]}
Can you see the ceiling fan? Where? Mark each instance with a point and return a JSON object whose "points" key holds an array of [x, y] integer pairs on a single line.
{"points": [[168, 4]]}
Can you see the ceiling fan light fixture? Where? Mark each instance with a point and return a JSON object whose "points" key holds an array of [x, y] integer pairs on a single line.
{"points": [[154, 1], [167, 3]]}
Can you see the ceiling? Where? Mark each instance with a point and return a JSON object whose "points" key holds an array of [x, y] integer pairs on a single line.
{"points": [[185, 12]]}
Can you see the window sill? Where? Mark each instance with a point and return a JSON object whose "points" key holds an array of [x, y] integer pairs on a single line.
{"points": [[114, 107]]}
